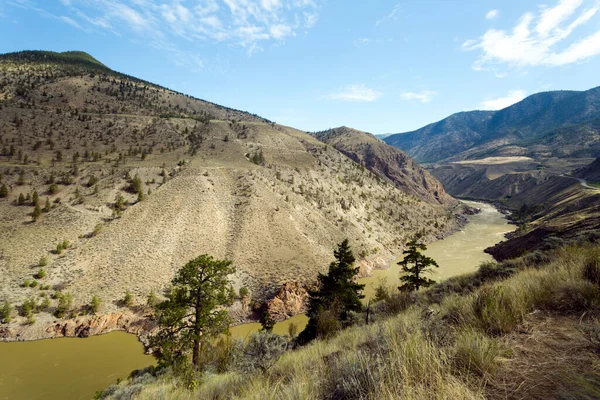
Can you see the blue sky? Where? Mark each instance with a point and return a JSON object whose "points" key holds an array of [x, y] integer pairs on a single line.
{"points": [[379, 66]]}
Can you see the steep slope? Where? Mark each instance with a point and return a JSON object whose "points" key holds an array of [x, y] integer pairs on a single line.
{"points": [[386, 161], [209, 180], [591, 173], [515, 129]]}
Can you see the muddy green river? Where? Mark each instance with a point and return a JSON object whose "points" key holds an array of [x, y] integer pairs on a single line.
{"points": [[70, 368]]}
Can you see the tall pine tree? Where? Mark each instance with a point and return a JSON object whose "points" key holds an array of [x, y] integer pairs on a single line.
{"points": [[415, 265], [193, 314], [336, 296]]}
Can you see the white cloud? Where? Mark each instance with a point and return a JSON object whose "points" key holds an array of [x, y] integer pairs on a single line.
{"points": [[492, 14], [393, 15], [361, 41], [355, 93], [246, 23], [514, 96], [424, 96], [540, 40]]}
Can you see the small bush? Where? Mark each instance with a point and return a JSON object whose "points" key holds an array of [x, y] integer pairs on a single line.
{"points": [[43, 261], [65, 303], [41, 274], [128, 299], [6, 312], [261, 352], [95, 304], [591, 271]]}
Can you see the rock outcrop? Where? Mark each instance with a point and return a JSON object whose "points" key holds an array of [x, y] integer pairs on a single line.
{"points": [[291, 299]]}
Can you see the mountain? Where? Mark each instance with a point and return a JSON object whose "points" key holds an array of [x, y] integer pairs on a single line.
{"points": [[591, 173], [387, 161], [541, 119], [139, 179]]}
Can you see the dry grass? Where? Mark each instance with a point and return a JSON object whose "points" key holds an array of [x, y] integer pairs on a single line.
{"points": [[470, 348]]}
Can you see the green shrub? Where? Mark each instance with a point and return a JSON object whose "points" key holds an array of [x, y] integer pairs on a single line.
{"points": [[95, 304], [43, 261], [152, 299], [41, 274], [26, 283], [128, 299], [65, 302], [261, 352], [243, 292], [6, 312]]}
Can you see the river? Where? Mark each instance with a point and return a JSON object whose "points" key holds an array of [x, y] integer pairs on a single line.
{"points": [[70, 368]]}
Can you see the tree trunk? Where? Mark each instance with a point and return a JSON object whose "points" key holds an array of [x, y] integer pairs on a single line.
{"points": [[197, 333]]}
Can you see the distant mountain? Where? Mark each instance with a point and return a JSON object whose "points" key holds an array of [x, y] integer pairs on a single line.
{"points": [[385, 161], [516, 130]]}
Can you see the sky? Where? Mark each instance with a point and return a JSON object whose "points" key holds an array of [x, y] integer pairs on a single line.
{"points": [[379, 66]]}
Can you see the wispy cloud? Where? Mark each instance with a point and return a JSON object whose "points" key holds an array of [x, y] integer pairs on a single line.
{"points": [[492, 14], [514, 96], [239, 22], [424, 96], [391, 16], [355, 93], [361, 41], [540, 39]]}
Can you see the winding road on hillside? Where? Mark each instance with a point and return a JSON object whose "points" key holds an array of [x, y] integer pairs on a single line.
{"points": [[583, 182]]}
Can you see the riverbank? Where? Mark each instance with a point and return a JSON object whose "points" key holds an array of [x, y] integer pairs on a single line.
{"points": [[137, 321]]}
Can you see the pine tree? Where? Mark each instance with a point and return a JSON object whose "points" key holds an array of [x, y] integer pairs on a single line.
{"points": [[35, 199], [338, 294], [192, 316], [267, 323], [413, 278], [21, 199], [37, 211], [3, 191], [95, 304], [47, 206]]}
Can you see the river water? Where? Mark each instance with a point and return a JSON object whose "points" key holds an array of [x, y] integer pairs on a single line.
{"points": [[70, 368]]}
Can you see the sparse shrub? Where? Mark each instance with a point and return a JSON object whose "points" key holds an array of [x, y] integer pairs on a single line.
{"points": [[6, 312], [152, 300], [53, 189], [261, 352], [98, 229], [26, 283], [3, 191], [65, 303], [128, 299], [59, 248], [41, 274], [95, 304], [47, 206], [33, 284], [35, 198], [243, 292], [21, 199], [92, 181]]}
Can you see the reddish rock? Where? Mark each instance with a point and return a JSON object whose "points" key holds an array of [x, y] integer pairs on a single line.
{"points": [[291, 299]]}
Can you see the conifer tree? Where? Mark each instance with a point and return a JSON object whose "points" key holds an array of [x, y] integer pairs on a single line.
{"points": [[413, 278], [337, 294], [193, 314]]}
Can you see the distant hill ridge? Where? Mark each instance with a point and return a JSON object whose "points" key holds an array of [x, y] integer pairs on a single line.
{"points": [[514, 130]]}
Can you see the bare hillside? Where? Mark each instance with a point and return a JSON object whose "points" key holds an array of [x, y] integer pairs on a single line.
{"points": [[139, 179]]}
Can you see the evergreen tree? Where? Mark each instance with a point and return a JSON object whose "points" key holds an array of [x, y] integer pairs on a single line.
{"points": [[95, 304], [47, 206], [192, 316], [37, 211], [21, 199], [35, 199], [6, 312], [3, 191], [266, 321], [413, 278], [337, 294]]}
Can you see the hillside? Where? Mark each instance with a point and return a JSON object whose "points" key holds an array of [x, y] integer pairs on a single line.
{"points": [[591, 173], [536, 126], [523, 329], [385, 160], [139, 179]]}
